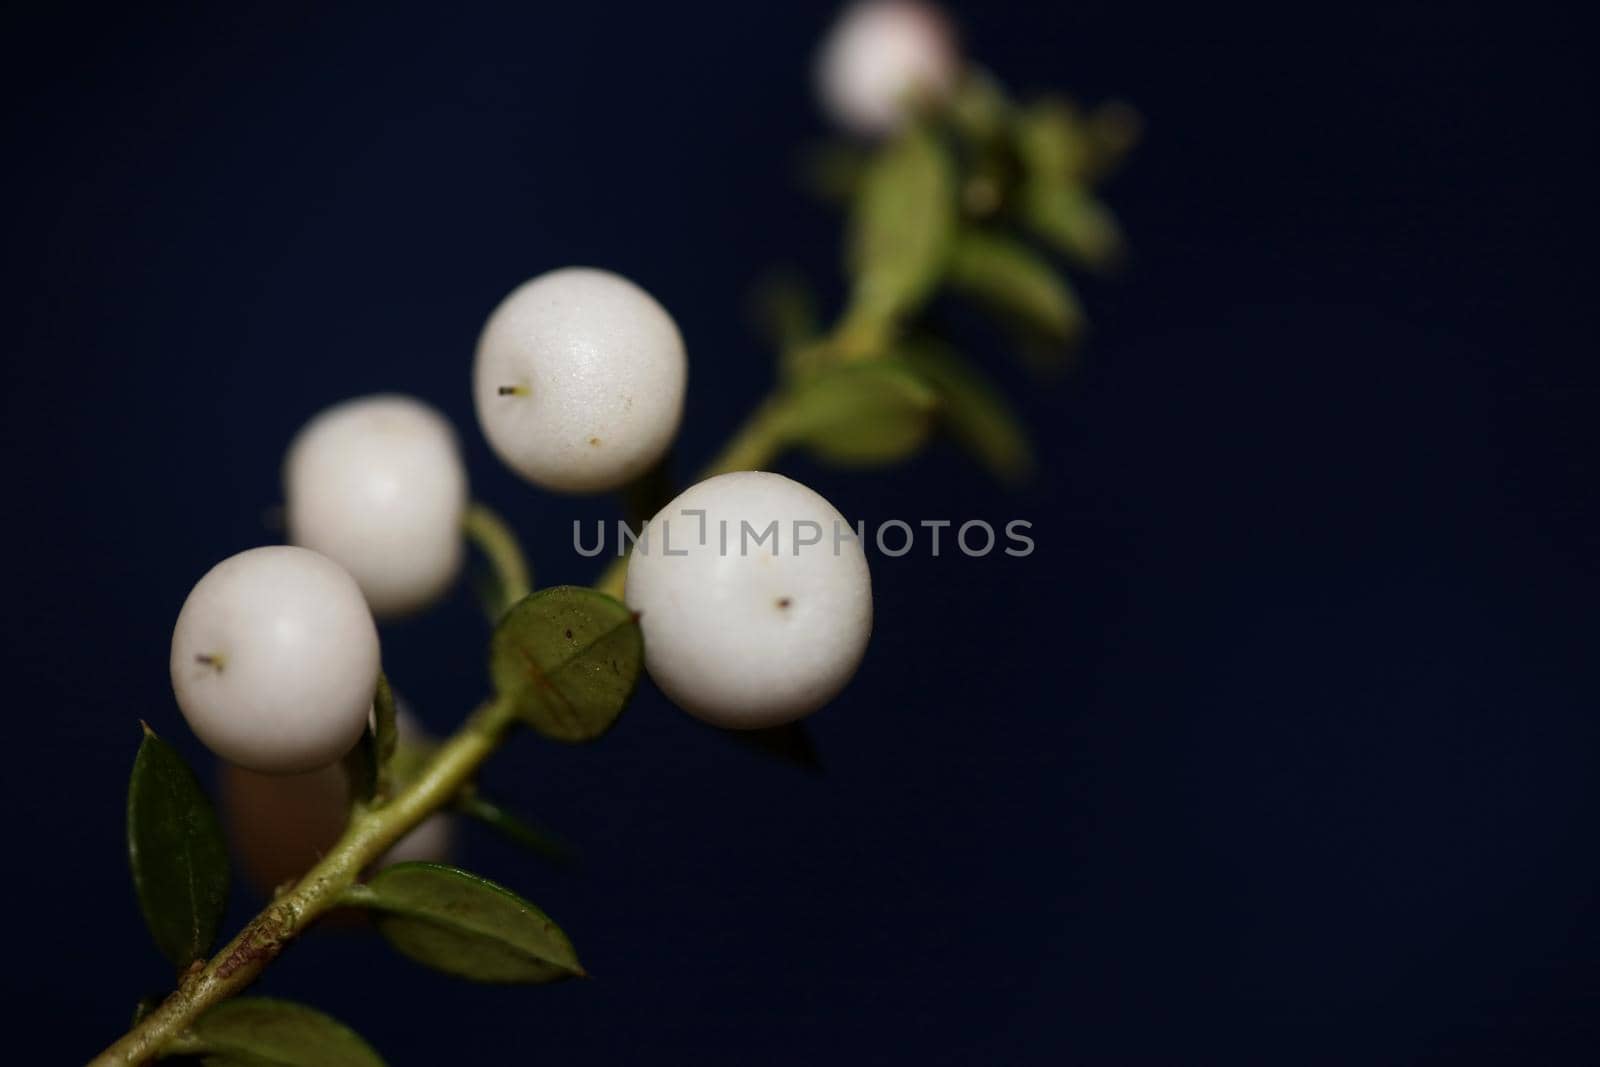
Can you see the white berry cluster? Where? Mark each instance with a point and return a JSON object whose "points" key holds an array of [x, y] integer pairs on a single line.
{"points": [[578, 382]]}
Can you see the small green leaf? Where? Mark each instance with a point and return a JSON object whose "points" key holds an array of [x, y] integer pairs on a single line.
{"points": [[178, 855], [569, 657], [1012, 279], [975, 413], [266, 1032], [1052, 142], [535, 839], [467, 926], [385, 732], [903, 216], [1075, 223], [859, 414]]}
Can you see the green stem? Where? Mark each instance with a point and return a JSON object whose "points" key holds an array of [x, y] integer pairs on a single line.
{"points": [[755, 445], [498, 543], [370, 834]]}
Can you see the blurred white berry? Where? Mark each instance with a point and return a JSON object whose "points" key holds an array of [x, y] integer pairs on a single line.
{"points": [[281, 824], [377, 485], [880, 57], [275, 659], [743, 629], [579, 380]]}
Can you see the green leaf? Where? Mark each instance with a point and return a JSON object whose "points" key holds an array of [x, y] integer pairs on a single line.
{"points": [[1052, 142], [903, 216], [859, 414], [1010, 278], [569, 658], [384, 717], [467, 926], [512, 826], [178, 855], [975, 413], [266, 1032], [385, 733], [1075, 223]]}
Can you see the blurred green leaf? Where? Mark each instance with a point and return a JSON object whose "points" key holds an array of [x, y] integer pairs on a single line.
{"points": [[900, 228], [535, 839], [978, 107], [1051, 141], [785, 311], [266, 1032], [1012, 279], [467, 926], [1078, 225], [177, 852], [975, 413], [859, 414], [569, 658], [386, 729]]}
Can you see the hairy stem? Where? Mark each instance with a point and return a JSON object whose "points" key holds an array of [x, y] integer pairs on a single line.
{"points": [[372, 831]]}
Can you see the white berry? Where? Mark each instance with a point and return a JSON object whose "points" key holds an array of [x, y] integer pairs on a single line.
{"points": [[275, 659], [579, 380], [882, 56], [733, 633], [282, 824], [378, 486]]}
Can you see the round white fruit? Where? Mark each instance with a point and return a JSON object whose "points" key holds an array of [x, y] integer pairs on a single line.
{"points": [[275, 659], [282, 824], [881, 57], [743, 627], [377, 485], [579, 380]]}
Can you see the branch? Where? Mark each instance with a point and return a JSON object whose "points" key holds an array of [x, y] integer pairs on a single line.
{"points": [[370, 834]]}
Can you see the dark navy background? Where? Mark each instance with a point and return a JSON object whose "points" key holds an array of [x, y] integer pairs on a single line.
{"points": [[1283, 747]]}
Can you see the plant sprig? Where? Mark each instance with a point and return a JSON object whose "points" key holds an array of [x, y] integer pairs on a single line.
{"points": [[957, 202]]}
